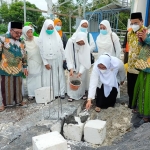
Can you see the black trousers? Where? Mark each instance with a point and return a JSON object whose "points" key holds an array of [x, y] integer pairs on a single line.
{"points": [[105, 102], [126, 57], [131, 80]]}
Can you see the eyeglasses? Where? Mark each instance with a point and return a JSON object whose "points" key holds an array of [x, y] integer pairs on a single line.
{"points": [[17, 32]]}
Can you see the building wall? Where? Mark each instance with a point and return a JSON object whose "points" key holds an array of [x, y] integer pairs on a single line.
{"points": [[139, 6]]}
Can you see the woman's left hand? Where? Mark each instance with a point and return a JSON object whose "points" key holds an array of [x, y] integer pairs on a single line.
{"points": [[25, 72], [79, 75], [121, 83]]}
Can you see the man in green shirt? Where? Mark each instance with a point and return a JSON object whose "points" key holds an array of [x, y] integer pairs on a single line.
{"points": [[13, 64]]}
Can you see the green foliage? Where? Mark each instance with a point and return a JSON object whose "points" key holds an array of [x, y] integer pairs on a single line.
{"points": [[14, 12], [39, 23], [67, 9], [3, 28], [4, 12], [123, 20]]}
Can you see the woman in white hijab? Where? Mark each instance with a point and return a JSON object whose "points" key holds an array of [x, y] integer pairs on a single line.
{"points": [[107, 41], [34, 61], [52, 52], [83, 27], [107, 73], [77, 54]]}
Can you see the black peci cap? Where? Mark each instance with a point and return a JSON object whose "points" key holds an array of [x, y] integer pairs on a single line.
{"points": [[17, 25]]}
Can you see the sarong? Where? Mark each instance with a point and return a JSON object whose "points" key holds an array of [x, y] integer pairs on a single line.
{"points": [[142, 94], [11, 88]]}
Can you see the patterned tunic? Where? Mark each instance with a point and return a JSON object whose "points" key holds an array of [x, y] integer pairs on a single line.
{"points": [[134, 50], [12, 56]]}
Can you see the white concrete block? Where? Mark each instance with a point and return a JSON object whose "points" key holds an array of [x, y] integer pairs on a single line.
{"points": [[73, 131], [95, 131], [49, 141], [56, 127], [44, 95]]}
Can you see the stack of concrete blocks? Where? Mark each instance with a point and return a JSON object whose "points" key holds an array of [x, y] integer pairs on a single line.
{"points": [[73, 131], [44, 95], [49, 141], [95, 131]]}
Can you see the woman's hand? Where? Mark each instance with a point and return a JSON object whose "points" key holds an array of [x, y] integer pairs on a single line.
{"points": [[121, 83], [124, 50], [25, 71], [79, 75], [48, 67], [71, 72], [88, 104]]}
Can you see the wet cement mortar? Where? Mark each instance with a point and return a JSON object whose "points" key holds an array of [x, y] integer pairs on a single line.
{"points": [[19, 124]]}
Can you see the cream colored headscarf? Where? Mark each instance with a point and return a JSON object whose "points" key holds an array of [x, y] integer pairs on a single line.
{"points": [[104, 42], [25, 30]]}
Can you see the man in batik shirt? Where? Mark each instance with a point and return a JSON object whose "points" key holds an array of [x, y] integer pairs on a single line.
{"points": [[13, 64], [134, 50]]}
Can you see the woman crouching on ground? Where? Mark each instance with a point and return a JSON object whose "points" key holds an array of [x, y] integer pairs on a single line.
{"points": [[108, 72]]}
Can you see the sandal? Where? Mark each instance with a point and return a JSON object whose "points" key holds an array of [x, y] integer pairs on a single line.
{"points": [[2, 108], [70, 100], [84, 97], [62, 96], [97, 109]]}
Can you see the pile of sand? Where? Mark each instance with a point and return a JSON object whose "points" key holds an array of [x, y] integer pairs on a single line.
{"points": [[118, 122]]}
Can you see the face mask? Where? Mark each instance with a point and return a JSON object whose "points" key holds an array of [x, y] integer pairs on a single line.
{"points": [[135, 27], [83, 29], [104, 32], [33, 29], [58, 28], [103, 71], [49, 31]]}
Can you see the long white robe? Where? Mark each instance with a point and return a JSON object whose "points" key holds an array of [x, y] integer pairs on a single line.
{"points": [[78, 68], [35, 64], [92, 48], [52, 52]]}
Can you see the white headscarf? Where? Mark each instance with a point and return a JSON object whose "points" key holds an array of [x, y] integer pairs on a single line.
{"points": [[79, 29], [25, 30], [104, 42], [109, 78], [8, 28], [50, 44], [84, 50]]}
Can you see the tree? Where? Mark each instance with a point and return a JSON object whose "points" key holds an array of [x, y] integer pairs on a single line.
{"points": [[3, 28], [123, 20], [39, 23], [67, 9], [14, 12]]}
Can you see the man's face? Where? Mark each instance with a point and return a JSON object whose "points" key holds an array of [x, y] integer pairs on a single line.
{"points": [[16, 33], [136, 22]]}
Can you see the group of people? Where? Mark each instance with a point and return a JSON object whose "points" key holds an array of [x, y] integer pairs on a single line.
{"points": [[39, 57]]}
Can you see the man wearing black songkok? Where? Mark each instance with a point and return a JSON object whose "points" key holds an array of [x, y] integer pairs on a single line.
{"points": [[12, 59], [134, 49]]}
